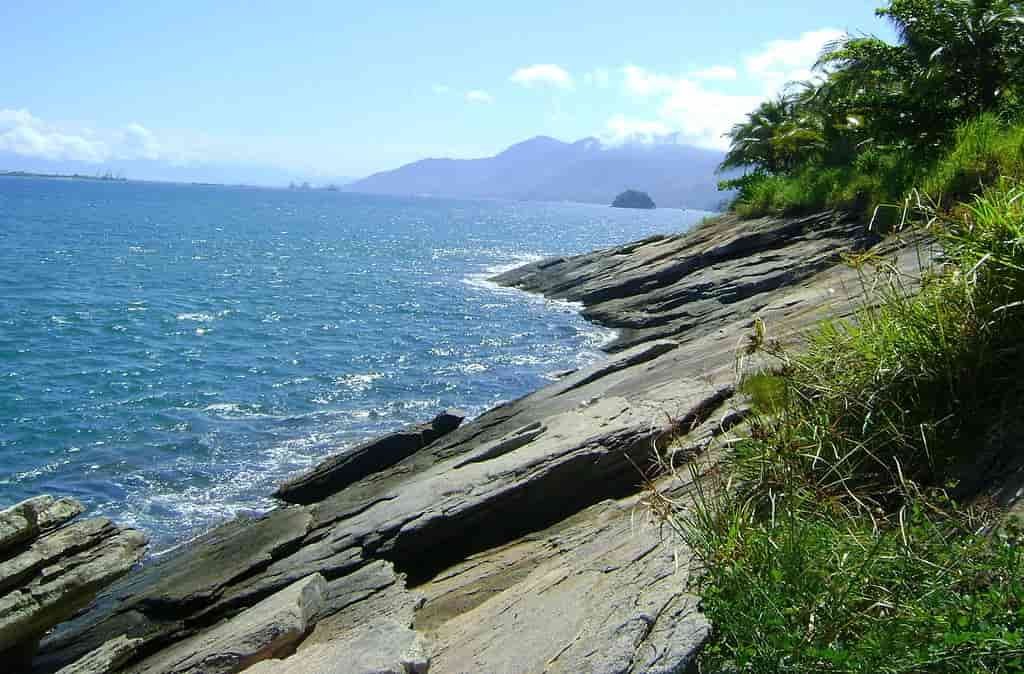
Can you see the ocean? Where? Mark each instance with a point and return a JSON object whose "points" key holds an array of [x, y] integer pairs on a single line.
{"points": [[168, 353]]}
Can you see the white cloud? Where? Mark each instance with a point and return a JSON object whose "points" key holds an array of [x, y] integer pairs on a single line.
{"points": [[687, 106], [24, 134], [138, 142], [698, 109], [479, 96], [598, 77], [644, 83], [784, 61], [620, 129], [716, 73], [702, 115], [543, 74]]}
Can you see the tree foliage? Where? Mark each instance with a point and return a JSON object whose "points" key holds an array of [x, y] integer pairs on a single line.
{"points": [[953, 61]]}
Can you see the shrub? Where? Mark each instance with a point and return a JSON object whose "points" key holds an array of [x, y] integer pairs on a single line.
{"points": [[829, 540]]}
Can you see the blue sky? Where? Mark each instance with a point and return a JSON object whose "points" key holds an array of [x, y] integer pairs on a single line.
{"points": [[346, 88]]}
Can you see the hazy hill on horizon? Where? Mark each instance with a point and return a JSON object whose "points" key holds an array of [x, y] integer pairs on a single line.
{"points": [[547, 169]]}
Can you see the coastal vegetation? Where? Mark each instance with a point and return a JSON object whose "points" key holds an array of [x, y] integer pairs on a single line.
{"points": [[941, 109], [856, 528]]}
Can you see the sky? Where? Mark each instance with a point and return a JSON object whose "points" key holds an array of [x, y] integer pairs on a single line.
{"points": [[340, 88]]}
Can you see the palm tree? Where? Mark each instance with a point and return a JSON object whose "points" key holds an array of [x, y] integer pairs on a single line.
{"points": [[971, 47], [752, 142]]}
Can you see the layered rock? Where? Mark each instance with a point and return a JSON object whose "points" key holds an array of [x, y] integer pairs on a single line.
{"points": [[50, 569], [339, 471], [521, 541], [270, 629]]}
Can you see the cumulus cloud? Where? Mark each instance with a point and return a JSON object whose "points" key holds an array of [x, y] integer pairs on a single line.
{"points": [[641, 82], [716, 73], [697, 108], [620, 129], [704, 115], [479, 96], [24, 134], [784, 61], [543, 74], [598, 77]]}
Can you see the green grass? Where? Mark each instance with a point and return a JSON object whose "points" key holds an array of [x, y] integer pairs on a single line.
{"points": [[985, 150], [829, 538]]}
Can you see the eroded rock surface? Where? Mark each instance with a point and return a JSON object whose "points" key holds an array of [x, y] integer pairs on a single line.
{"points": [[337, 472], [270, 629], [519, 541], [49, 569]]}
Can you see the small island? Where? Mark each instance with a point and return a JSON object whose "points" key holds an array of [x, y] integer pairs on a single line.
{"points": [[633, 199]]}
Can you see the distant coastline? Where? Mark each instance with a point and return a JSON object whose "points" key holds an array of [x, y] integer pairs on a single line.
{"points": [[106, 177]]}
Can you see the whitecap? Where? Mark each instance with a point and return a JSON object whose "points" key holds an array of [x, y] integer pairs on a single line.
{"points": [[198, 317]]}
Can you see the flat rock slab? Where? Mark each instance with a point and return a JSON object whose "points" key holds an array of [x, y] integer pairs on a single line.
{"points": [[380, 647], [337, 472], [269, 629], [601, 592], [107, 659]]}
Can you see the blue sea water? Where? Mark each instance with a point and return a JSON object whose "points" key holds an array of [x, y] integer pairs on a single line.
{"points": [[169, 352]]}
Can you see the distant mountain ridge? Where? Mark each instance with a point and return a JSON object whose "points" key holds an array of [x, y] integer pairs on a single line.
{"points": [[547, 169]]}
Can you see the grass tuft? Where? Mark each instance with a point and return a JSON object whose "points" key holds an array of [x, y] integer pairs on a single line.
{"points": [[832, 537]]}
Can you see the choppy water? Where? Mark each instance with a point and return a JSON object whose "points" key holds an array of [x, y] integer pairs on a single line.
{"points": [[168, 352]]}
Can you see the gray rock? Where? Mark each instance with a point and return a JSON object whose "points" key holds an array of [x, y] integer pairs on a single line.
{"points": [[106, 659], [692, 283], [59, 512], [599, 592], [269, 629], [380, 647], [19, 523], [60, 574], [23, 522], [153, 603], [337, 472]]}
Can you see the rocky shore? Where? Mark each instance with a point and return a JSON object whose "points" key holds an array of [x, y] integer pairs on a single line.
{"points": [[520, 541]]}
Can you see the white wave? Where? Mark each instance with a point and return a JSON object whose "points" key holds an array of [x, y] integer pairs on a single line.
{"points": [[198, 317]]}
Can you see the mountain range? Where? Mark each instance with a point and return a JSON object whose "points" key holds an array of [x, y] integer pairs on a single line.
{"points": [[547, 169]]}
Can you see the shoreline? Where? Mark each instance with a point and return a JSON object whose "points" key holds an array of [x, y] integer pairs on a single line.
{"points": [[524, 505]]}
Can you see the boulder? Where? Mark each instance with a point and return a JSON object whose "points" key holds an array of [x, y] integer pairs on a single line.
{"points": [[23, 522], [269, 629], [339, 471], [57, 571]]}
